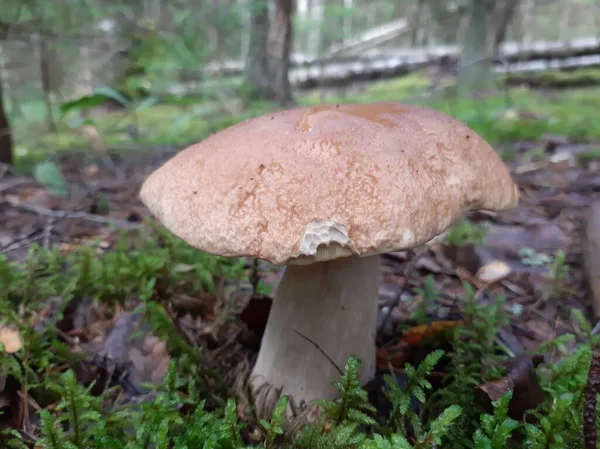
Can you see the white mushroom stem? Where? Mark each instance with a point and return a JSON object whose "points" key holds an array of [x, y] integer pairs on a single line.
{"points": [[330, 304]]}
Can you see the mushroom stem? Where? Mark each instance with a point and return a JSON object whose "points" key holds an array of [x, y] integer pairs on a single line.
{"points": [[321, 315]]}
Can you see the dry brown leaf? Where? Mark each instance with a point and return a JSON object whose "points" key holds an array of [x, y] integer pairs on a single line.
{"points": [[10, 339], [493, 271]]}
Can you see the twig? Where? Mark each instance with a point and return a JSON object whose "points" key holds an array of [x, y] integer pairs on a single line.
{"points": [[47, 233], [32, 236], [254, 276], [71, 214], [22, 241], [316, 345], [12, 183], [407, 272]]}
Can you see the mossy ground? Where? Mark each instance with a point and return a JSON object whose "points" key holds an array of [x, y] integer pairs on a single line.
{"points": [[62, 390], [500, 116]]}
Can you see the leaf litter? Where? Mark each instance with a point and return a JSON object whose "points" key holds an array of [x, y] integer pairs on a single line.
{"points": [[514, 258]]}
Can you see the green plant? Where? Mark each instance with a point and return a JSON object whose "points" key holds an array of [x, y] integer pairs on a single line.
{"points": [[275, 427], [191, 408], [353, 404], [429, 295], [473, 360], [497, 428], [558, 273], [401, 396], [465, 232], [532, 258]]}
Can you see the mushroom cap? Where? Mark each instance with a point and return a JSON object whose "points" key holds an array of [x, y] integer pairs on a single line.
{"points": [[313, 184]]}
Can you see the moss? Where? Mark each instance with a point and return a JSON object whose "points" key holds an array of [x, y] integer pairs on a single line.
{"points": [[499, 116]]}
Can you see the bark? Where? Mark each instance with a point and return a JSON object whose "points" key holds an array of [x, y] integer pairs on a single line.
{"points": [[280, 44], [6, 142], [563, 27], [507, 12], [46, 82], [317, 10], [475, 67], [527, 20], [416, 24], [257, 61]]}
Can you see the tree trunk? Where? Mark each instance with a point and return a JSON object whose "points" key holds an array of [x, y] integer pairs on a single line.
{"points": [[416, 25], [257, 60], [46, 83], [507, 12], [280, 44], [347, 25], [317, 10], [6, 143], [475, 67], [527, 20], [564, 22]]}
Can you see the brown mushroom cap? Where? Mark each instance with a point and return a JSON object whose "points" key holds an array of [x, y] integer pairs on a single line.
{"points": [[343, 179]]}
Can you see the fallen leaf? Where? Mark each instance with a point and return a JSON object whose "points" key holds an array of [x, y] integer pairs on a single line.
{"points": [[522, 380], [397, 354], [10, 339], [91, 170], [417, 334], [493, 271]]}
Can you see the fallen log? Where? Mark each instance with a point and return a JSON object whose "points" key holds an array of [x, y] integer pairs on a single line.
{"points": [[510, 53], [340, 74]]}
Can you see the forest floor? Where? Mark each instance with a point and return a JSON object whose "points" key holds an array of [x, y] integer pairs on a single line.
{"points": [[531, 255]]}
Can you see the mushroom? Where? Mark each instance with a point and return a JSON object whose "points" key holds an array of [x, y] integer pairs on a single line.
{"points": [[324, 191]]}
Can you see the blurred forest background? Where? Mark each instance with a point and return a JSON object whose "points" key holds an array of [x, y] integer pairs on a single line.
{"points": [[102, 73], [96, 94]]}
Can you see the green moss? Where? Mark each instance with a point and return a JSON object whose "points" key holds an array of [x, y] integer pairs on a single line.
{"points": [[499, 116]]}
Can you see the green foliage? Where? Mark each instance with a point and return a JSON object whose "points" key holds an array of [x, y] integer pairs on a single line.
{"points": [[466, 232], [353, 404], [274, 428], [496, 429], [532, 258], [471, 363], [400, 397], [49, 175], [190, 408], [558, 272], [429, 295]]}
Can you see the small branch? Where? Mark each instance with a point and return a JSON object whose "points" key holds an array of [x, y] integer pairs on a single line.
{"points": [[407, 273], [71, 214], [316, 345], [254, 276]]}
